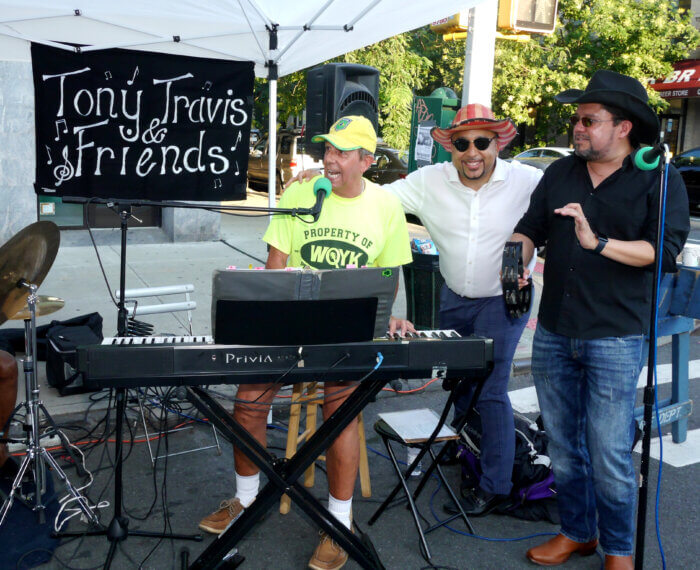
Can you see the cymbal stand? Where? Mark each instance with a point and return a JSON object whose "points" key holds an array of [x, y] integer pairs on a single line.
{"points": [[37, 456]]}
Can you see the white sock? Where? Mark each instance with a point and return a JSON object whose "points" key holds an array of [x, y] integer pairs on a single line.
{"points": [[247, 488], [342, 510]]}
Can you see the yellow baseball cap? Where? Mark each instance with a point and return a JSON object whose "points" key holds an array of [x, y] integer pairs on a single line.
{"points": [[351, 133]]}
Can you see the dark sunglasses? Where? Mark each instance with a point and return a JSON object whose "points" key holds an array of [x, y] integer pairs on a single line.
{"points": [[585, 121], [482, 143]]}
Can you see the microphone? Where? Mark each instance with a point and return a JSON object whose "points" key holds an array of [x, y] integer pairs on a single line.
{"points": [[648, 157], [322, 188]]}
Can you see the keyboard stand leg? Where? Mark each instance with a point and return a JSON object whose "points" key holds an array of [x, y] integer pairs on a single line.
{"points": [[283, 476]]}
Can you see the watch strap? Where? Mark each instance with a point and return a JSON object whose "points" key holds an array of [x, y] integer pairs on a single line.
{"points": [[602, 242]]}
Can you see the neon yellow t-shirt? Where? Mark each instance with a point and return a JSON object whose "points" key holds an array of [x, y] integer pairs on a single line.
{"points": [[367, 230]]}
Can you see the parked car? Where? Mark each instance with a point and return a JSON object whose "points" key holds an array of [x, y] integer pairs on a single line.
{"points": [[389, 165], [254, 137], [291, 159], [542, 157], [688, 164]]}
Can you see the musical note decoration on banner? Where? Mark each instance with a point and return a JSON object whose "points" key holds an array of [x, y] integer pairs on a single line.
{"points": [[239, 138], [61, 122], [136, 72]]}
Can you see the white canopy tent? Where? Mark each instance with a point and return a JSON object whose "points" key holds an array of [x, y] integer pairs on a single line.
{"points": [[279, 36]]}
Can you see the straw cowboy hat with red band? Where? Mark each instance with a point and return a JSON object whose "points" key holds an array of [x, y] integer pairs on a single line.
{"points": [[475, 116]]}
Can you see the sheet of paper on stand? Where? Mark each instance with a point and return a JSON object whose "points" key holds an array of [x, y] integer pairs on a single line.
{"points": [[415, 425]]}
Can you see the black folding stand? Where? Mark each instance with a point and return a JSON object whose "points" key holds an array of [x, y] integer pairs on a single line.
{"points": [[283, 474], [425, 447]]}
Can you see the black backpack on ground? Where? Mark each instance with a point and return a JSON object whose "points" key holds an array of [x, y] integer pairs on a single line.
{"points": [[62, 338], [533, 496]]}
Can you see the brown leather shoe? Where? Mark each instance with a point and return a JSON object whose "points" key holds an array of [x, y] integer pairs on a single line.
{"points": [[558, 550], [618, 562], [328, 554], [218, 521]]}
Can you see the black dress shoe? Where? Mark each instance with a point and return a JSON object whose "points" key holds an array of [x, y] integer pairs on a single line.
{"points": [[477, 504]]}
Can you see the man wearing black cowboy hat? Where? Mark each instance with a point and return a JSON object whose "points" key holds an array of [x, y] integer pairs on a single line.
{"points": [[597, 214]]}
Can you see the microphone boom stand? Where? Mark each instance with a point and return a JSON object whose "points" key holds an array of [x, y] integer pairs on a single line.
{"points": [[118, 529], [649, 389]]}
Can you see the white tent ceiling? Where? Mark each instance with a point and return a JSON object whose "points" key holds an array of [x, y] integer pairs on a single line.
{"points": [[309, 31]]}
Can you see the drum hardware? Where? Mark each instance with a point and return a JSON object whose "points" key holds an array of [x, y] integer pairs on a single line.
{"points": [[24, 262], [45, 305]]}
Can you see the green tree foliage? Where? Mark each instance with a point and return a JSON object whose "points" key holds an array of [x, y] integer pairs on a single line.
{"points": [[402, 69], [447, 58], [641, 38]]}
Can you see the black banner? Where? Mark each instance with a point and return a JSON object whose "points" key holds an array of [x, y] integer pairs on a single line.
{"points": [[138, 125]]}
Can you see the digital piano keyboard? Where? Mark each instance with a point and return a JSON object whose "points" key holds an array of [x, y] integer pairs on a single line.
{"points": [[131, 362]]}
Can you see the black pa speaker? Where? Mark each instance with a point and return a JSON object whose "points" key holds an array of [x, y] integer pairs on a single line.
{"points": [[337, 90]]}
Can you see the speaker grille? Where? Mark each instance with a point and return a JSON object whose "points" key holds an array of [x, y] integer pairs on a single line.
{"points": [[357, 96]]}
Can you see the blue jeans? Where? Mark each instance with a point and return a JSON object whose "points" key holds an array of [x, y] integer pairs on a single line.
{"points": [[488, 317], [586, 390]]}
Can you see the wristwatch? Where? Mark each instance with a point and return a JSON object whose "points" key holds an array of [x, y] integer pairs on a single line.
{"points": [[602, 242]]}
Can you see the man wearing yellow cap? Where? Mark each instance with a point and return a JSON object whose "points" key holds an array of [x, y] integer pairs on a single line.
{"points": [[469, 206], [360, 225]]}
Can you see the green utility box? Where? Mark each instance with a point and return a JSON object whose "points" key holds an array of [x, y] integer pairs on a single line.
{"points": [[423, 282], [439, 109]]}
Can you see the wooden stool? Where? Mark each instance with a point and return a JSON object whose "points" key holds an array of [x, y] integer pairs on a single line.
{"points": [[307, 393]]}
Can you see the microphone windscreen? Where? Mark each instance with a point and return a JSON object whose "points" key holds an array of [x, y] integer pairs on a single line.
{"points": [[322, 185], [647, 158]]}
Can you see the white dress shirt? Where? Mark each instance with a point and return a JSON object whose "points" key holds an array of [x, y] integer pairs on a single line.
{"points": [[469, 227]]}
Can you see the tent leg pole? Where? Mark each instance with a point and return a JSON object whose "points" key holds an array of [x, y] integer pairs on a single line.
{"points": [[272, 144]]}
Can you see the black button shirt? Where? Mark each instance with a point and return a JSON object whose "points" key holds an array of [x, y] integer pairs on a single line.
{"points": [[587, 295]]}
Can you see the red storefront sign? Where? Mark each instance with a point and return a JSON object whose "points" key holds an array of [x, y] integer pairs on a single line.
{"points": [[683, 82]]}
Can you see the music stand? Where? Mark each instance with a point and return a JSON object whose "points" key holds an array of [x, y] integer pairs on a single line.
{"points": [[323, 321]]}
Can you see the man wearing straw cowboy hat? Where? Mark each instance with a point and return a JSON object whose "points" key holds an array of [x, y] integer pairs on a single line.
{"points": [[597, 213], [470, 206]]}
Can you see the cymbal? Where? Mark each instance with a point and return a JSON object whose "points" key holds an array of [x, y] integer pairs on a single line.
{"points": [[27, 255], [45, 305]]}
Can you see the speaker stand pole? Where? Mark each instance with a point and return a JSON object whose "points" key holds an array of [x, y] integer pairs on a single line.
{"points": [[272, 75]]}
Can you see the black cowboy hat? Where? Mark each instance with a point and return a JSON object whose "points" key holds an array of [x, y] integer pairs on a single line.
{"points": [[626, 93]]}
